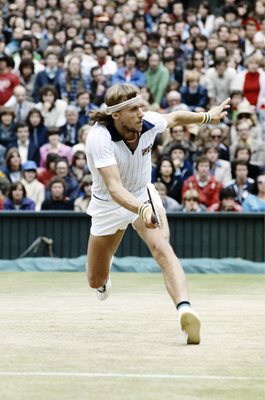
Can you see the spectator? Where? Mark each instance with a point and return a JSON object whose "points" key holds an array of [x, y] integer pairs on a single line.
{"points": [[241, 185], [191, 202], [8, 80], [179, 137], [69, 131], [243, 152], [12, 165], [7, 126], [157, 77], [205, 184], [98, 86], [35, 189], [57, 199], [220, 169], [79, 166], [82, 202], [82, 135], [169, 204], [129, 73], [27, 77], [54, 145], [4, 185], [51, 108], [47, 173], [256, 202], [26, 149], [166, 175], [37, 129], [217, 136], [20, 104], [109, 67], [193, 94], [63, 171], [173, 101], [226, 202], [17, 198], [72, 80], [84, 105], [49, 76], [182, 166], [220, 79]]}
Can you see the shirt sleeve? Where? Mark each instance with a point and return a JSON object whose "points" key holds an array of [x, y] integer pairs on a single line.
{"points": [[99, 147], [158, 120]]}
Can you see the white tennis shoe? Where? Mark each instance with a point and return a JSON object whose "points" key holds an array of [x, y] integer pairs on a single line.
{"points": [[190, 325], [104, 292]]}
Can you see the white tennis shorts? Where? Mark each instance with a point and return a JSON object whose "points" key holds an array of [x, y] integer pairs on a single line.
{"points": [[108, 217]]}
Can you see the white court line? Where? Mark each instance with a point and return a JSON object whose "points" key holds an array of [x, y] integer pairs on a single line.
{"points": [[125, 375]]}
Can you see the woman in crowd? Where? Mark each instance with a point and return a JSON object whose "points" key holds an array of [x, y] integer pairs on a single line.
{"points": [[82, 202], [79, 166], [55, 146], [13, 167], [37, 129], [256, 202], [52, 108], [166, 175], [17, 198]]}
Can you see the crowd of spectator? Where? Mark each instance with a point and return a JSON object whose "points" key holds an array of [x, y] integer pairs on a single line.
{"points": [[58, 58]]}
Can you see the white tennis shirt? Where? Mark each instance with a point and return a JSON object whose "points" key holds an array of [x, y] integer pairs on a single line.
{"points": [[105, 147]]}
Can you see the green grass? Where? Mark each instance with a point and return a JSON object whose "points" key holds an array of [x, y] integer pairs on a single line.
{"points": [[51, 322]]}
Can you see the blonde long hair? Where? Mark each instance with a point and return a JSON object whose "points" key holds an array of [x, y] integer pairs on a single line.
{"points": [[116, 94]]}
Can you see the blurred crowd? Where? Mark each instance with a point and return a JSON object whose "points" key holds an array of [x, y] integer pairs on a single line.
{"points": [[57, 59]]}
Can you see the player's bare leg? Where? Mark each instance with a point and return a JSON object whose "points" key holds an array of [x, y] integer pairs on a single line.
{"points": [[100, 250], [174, 277]]}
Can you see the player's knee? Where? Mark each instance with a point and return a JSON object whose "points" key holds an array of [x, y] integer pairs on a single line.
{"points": [[160, 248]]}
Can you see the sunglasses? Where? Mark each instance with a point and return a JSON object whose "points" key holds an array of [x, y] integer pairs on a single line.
{"points": [[261, 182]]}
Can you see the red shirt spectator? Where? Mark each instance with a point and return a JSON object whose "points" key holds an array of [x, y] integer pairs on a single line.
{"points": [[205, 184], [8, 80]]}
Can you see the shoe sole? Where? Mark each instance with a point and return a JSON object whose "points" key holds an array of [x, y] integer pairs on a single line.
{"points": [[190, 324]]}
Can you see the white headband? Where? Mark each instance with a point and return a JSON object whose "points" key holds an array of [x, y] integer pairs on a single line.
{"points": [[117, 107]]}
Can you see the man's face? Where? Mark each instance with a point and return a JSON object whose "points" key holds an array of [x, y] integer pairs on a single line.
{"points": [[191, 204], [243, 131], [241, 172], [243, 155], [177, 154], [52, 61], [83, 100], [154, 61], [131, 118], [203, 169], [228, 203], [178, 133], [71, 117], [57, 191], [23, 134], [20, 94], [220, 68], [98, 75], [30, 175], [130, 62], [61, 169]]}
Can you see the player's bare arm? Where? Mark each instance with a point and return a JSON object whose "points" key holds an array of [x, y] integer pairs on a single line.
{"points": [[216, 114], [120, 195]]}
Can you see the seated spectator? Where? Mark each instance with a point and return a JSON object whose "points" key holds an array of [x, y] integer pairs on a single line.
{"points": [[98, 86], [218, 137], [8, 80], [166, 175], [51, 108], [191, 202], [243, 152], [173, 102], [79, 166], [182, 166], [63, 171], [256, 202], [12, 165], [57, 199], [170, 205], [82, 202], [157, 77], [54, 145], [4, 185], [129, 73], [27, 77], [193, 94], [48, 172], [50, 76], [20, 104], [84, 105], [69, 131], [27, 149], [220, 169], [226, 202], [7, 126], [179, 136], [35, 189], [205, 184], [242, 185], [37, 129], [72, 80], [149, 99], [82, 135], [17, 198], [109, 67]]}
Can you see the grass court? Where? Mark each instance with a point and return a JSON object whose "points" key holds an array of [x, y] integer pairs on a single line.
{"points": [[58, 342]]}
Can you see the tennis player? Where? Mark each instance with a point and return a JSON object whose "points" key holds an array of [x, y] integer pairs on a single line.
{"points": [[118, 151]]}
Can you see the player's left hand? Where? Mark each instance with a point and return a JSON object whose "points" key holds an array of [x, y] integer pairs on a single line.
{"points": [[219, 112]]}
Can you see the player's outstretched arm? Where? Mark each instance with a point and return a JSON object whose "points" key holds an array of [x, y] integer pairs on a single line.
{"points": [[213, 116]]}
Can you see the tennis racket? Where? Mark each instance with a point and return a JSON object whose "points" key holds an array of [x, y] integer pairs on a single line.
{"points": [[156, 204]]}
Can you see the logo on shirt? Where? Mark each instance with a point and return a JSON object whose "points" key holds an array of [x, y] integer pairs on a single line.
{"points": [[147, 150]]}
